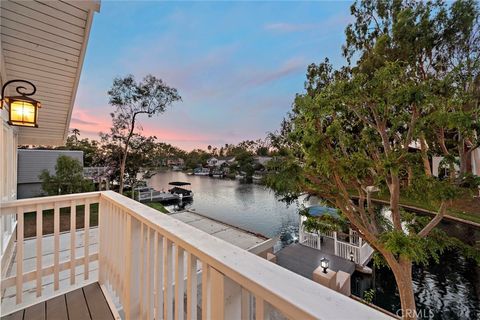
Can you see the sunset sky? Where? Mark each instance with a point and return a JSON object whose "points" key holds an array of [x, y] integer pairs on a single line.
{"points": [[237, 65]]}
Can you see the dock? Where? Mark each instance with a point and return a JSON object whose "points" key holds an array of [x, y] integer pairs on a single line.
{"points": [[157, 196], [255, 243], [304, 260]]}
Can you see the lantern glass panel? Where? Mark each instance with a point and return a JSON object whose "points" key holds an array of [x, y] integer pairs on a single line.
{"points": [[23, 113]]}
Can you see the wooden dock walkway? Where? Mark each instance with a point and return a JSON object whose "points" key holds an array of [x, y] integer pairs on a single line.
{"points": [[304, 260], [156, 196], [87, 303]]}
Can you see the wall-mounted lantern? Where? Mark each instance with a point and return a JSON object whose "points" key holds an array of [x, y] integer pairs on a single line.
{"points": [[22, 110]]}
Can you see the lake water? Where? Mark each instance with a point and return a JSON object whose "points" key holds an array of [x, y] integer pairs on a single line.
{"points": [[449, 290]]}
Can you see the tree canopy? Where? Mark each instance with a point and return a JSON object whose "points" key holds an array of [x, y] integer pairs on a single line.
{"points": [[150, 97], [409, 91], [68, 178]]}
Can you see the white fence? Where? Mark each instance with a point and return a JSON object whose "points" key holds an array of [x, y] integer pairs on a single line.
{"points": [[355, 248], [149, 263]]}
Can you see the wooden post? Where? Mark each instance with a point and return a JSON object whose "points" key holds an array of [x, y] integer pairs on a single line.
{"points": [[335, 242]]}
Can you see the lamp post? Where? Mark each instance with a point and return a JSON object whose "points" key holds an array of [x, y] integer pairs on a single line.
{"points": [[324, 263], [22, 110]]}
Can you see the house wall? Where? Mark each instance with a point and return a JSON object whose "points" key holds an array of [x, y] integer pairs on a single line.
{"points": [[8, 176], [31, 163], [476, 162]]}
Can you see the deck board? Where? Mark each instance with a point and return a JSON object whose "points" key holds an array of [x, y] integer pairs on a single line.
{"points": [[77, 305], [304, 260], [14, 316], [57, 308], [35, 312], [97, 304], [87, 303]]}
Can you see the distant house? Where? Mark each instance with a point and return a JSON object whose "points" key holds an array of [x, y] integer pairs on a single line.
{"points": [[31, 163], [439, 170], [175, 162], [262, 160], [212, 162], [216, 162]]}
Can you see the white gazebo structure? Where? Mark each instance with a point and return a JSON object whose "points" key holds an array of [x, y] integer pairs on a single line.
{"points": [[348, 246]]}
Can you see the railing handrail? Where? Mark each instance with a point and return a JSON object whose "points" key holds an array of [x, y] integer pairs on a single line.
{"points": [[299, 297], [48, 199]]}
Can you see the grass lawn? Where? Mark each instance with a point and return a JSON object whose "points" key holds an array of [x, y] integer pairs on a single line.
{"points": [[157, 206], [30, 225], [466, 206], [30, 219]]}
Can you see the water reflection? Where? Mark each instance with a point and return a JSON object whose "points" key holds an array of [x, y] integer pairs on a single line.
{"points": [[449, 290], [248, 206]]}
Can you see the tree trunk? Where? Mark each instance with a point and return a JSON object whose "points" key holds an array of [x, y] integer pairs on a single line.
{"points": [[125, 151], [409, 176], [395, 201], [423, 153], [122, 170], [402, 270], [405, 290]]}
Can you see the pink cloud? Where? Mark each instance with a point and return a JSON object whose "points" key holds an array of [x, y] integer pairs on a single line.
{"points": [[325, 25], [87, 122]]}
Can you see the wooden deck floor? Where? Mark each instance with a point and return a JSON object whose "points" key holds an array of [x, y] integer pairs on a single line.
{"points": [[87, 303], [304, 260]]}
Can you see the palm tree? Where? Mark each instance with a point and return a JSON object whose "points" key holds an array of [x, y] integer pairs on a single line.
{"points": [[76, 133]]}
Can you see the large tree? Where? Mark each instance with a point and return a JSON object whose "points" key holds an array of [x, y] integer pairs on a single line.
{"points": [[68, 178], [150, 97], [357, 129]]}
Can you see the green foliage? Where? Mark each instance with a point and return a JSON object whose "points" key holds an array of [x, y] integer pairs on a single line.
{"points": [[157, 206], [369, 295], [131, 99], [410, 91], [68, 178]]}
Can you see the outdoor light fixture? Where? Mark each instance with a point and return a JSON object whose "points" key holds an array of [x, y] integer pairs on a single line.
{"points": [[351, 256], [22, 110], [324, 263]]}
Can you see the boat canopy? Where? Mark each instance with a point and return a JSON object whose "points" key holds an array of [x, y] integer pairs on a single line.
{"points": [[318, 211], [179, 183]]}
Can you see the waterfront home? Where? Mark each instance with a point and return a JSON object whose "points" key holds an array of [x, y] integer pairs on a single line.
{"points": [[101, 255], [263, 160], [176, 162], [216, 162]]}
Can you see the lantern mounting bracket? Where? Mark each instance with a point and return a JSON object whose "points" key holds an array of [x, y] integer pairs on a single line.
{"points": [[20, 89]]}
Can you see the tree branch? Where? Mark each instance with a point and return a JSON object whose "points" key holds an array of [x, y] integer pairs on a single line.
{"points": [[435, 221]]}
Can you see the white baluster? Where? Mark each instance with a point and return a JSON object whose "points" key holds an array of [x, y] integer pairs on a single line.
{"points": [[39, 240], [86, 239], [73, 230], [179, 283], [56, 247], [191, 287], [167, 277], [19, 275]]}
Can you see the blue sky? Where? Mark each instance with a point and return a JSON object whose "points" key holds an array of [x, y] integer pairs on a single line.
{"points": [[237, 65]]}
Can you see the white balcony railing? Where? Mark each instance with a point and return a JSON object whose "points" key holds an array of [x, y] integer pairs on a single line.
{"points": [[360, 249], [156, 267]]}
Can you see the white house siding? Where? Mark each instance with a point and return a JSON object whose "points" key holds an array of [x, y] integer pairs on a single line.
{"points": [[44, 42], [476, 162], [8, 178]]}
